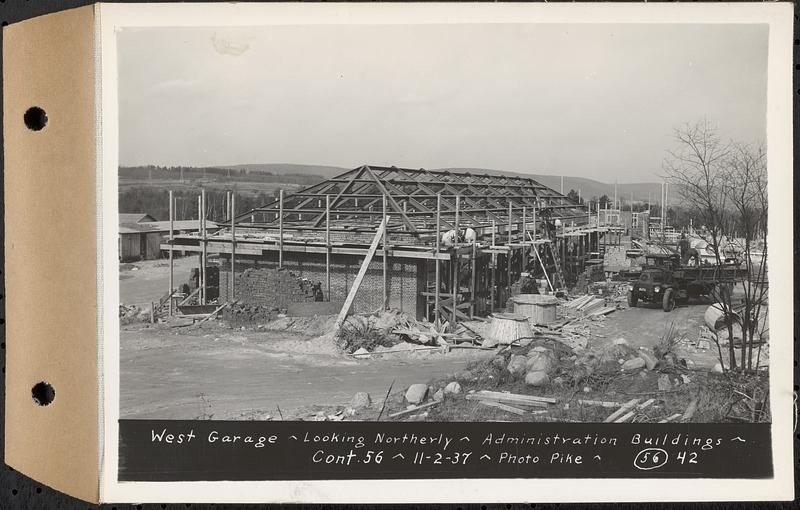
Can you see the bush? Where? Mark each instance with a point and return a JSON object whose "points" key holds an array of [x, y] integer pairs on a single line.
{"points": [[362, 332]]}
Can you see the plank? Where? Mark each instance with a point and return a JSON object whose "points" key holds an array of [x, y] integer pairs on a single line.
{"points": [[504, 407], [671, 418], [360, 276], [600, 403], [622, 410], [215, 312], [625, 417], [518, 396], [417, 408], [532, 403]]}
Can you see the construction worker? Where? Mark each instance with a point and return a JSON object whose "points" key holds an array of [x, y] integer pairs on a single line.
{"points": [[683, 246]]}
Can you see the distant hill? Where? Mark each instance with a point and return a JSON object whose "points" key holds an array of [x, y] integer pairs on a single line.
{"points": [[325, 171], [303, 174], [588, 187]]}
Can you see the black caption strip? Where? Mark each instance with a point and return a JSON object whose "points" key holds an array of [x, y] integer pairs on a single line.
{"points": [[159, 450]]}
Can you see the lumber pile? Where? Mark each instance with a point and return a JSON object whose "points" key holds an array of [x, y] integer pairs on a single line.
{"points": [[515, 403], [588, 306]]}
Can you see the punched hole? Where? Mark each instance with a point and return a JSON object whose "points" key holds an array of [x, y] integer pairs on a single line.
{"points": [[35, 118], [43, 394]]}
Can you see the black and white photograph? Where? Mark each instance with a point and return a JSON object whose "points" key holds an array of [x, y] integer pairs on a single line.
{"points": [[460, 223]]}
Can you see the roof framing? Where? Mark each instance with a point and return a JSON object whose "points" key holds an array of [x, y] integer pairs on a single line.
{"points": [[356, 201]]}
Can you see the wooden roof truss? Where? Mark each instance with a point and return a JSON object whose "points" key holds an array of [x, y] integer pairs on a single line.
{"points": [[356, 201]]}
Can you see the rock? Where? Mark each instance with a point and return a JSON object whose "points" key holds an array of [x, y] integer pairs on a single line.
{"points": [[439, 395], [558, 381], [416, 393], [620, 341], [649, 361], [541, 361], [537, 378], [685, 378], [615, 352], [587, 389], [663, 383], [703, 344], [361, 353], [633, 364], [517, 363], [361, 400], [453, 388], [499, 362], [717, 369]]}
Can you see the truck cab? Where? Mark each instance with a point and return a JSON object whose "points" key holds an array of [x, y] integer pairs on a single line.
{"points": [[656, 284]]}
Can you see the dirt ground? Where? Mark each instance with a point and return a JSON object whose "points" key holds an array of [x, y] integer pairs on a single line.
{"points": [[148, 280], [220, 373], [223, 373], [290, 368]]}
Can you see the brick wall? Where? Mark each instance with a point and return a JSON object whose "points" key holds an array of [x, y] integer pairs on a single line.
{"points": [[266, 287], [406, 278]]}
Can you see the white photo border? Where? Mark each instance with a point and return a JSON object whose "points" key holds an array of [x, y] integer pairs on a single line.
{"points": [[779, 16]]}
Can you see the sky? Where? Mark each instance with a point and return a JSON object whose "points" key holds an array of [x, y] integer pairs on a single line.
{"points": [[595, 101]]}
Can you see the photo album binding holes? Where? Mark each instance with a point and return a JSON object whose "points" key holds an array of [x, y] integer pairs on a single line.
{"points": [[498, 247]]}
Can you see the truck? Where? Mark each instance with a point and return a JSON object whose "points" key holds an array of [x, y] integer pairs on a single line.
{"points": [[663, 280]]}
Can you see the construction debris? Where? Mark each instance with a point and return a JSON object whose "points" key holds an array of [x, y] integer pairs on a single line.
{"points": [[435, 333]]}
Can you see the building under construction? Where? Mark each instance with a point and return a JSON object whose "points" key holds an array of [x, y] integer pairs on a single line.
{"points": [[434, 244]]}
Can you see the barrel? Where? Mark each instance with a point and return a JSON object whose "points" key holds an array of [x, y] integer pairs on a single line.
{"points": [[540, 308]]}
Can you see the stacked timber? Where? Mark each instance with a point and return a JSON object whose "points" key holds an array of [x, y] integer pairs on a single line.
{"points": [[512, 402], [589, 306]]}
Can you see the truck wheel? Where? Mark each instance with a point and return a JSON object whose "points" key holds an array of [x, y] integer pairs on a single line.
{"points": [[668, 302], [633, 299]]}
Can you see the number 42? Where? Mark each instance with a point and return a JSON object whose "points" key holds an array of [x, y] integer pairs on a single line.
{"points": [[687, 457]]}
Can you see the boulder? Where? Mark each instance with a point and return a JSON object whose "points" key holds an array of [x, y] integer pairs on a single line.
{"points": [[541, 361], [453, 388], [620, 341], [649, 360], [633, 364], [616, 352], [439, 395], [499, 362], [664, 384], [361, 400], [517, 364], [703, 344], [537, 378], [717, 369], [416, 393]]}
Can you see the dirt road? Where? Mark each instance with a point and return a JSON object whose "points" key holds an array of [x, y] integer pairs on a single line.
{"points": [[148, 280], [229, 374], [644, 326]]}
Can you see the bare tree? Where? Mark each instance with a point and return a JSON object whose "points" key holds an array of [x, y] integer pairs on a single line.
{"points": [[724, 186], [697, 169], [747, 194]]}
